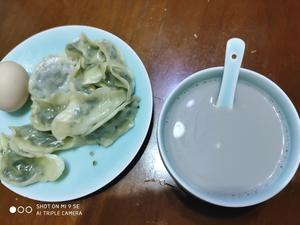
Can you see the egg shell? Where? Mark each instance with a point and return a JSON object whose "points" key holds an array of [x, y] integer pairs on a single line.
{"points": [[13, 86]]}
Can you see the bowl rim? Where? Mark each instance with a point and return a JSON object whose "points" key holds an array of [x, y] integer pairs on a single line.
{"points": [[201, 195]]}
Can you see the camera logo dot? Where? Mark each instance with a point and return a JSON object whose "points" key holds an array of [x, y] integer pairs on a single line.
{"points": [[28, 209], [12, 209], [20, 209]]}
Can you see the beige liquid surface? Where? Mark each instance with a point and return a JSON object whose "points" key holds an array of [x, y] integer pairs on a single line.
{"points": [[221, 150]]}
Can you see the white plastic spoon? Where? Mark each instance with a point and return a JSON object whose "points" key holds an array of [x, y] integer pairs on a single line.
{"points": [[233, 59]]}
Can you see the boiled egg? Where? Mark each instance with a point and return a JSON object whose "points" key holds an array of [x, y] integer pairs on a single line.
{"points": [[13, 86]]}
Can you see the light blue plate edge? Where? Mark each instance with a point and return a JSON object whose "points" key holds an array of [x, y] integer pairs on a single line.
{"points": [[42, 195]]}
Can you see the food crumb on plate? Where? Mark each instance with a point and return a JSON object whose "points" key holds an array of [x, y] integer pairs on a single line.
{"points": [[95, 163]]}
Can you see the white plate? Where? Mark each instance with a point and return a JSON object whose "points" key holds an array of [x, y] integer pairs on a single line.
{"points": [[80, 177]]}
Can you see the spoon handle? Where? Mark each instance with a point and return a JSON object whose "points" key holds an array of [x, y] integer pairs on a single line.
{"points": [[233, 59]]}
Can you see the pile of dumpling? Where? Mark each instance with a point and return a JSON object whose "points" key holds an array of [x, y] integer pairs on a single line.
{"points": [[83, 97]]}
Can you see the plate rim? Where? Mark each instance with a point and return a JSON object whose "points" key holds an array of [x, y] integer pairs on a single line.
{"points": [[147, 120]]}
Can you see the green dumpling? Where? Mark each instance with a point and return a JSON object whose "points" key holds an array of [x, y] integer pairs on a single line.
{"points": [[19, 170], [30, 142]]}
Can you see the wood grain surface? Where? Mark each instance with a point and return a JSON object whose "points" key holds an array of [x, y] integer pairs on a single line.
{"points": [[174, 39]]}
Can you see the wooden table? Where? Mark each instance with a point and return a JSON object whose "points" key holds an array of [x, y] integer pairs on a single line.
{"points": [[174, 39]]}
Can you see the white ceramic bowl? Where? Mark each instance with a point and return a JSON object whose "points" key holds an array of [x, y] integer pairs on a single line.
{"points": [[293, 156]]}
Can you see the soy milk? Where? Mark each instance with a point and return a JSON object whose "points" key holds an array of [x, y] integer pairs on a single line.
{"points": [[221, 150]]}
